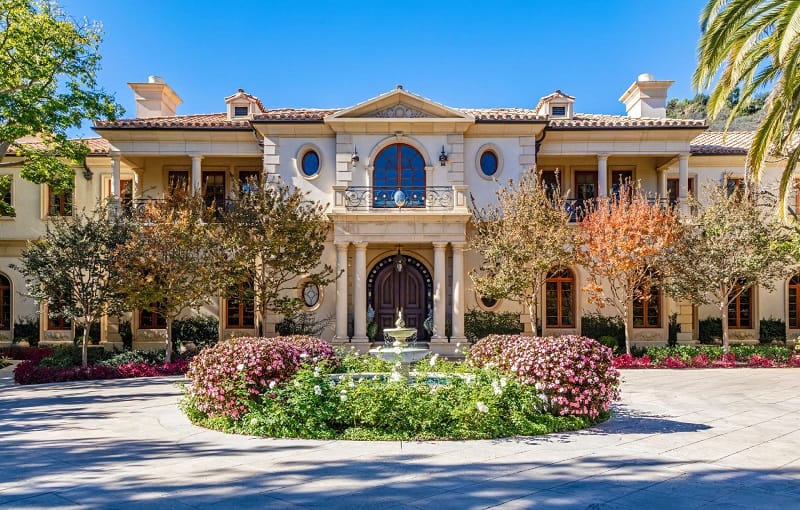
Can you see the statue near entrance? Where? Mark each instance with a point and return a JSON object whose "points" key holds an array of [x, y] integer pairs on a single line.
{"points": [[400, 323]]}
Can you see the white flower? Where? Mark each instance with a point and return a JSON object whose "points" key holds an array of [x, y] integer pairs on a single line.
{"points": [[316, 372], [317, 390], [297, 384], [433, 359], [303, 355], [272, 384], [240, 367], [503, 382], [343, 396], [351, 384], [253, 421], [496, 387], [395, 377], [482, 407]]}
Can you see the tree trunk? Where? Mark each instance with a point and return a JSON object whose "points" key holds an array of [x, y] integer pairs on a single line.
{"points": [[724, 310], [85, 345], [168, 350], [627, 321], [532, 313]]}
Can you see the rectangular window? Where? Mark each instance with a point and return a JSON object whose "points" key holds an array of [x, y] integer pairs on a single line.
{"points": [[149, 319], [57, 323], [734, 185], [740, 310], [248, 178], [560, 299], [5, 303], [178, 179], [59, 204], [794, 294], [7, 196], [240, 307], [620, 180], [558, 111], [585, 194], [214, 188], [672, 190], [647, 310], [241, 111]]}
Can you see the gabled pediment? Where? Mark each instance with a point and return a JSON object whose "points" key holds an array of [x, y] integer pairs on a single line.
{"points": [[399, 104]]}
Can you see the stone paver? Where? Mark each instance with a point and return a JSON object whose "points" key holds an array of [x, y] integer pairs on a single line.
{"points": [[679, 439]]}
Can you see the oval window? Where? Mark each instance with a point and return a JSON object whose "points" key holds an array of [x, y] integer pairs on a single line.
{"points": [[310, 294], [310, 163], [488, 302], [489, 163]]}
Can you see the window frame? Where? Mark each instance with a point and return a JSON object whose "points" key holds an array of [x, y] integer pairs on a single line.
{"points": [[498, 154], [6, 304], [557, 277], [643, 304], [242, 304], [793, 293], [735, 305], [300, 158], [67, 198], [158, 320], [10, 195]]}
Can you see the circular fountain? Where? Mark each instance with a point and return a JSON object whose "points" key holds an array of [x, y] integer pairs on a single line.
{"points": [[400, 350]]}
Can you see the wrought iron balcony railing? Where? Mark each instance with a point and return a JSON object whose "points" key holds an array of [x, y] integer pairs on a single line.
{"points": [[580, 207], [399, 197]]}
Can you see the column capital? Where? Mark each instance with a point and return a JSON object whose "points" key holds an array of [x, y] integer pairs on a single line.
{"points": [[196, 156], [342, 246], [361, 245], [458, 245], [602, 156], [683, 156], [439, 245]]}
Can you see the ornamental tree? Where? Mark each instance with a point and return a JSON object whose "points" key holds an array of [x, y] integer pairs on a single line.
{"points": [[71, 268], [48, 86], [732, 243], [171, 261], [273, 235], [522, 237], [625, 242]]}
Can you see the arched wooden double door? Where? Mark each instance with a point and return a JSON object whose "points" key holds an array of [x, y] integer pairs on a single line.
{"points": [[409, 289]]}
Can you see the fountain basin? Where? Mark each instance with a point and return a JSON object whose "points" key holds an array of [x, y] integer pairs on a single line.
{"points": [[404, 354]]}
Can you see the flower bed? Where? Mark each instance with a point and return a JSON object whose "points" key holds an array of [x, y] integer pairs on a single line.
{"points": [[266, 387], [709, 356]]}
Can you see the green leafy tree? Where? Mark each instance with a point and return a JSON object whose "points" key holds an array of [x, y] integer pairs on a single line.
{"points": [[274, 235], [754, 46], [521, 238], [48, 67], [732, 243], [71, 268], [624, 246], [171, 261]]}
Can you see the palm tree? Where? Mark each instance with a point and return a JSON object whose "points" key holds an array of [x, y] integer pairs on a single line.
{"points": [[752, 45]]}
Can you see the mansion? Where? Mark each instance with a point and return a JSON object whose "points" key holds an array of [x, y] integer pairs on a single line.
{"points": [[399, 173]]}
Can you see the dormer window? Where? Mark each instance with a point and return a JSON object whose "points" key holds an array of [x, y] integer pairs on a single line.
{"points": [[559, 111], [241, 111]]}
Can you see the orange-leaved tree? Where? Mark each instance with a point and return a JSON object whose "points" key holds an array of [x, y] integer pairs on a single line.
{"points": [[626, 240]]}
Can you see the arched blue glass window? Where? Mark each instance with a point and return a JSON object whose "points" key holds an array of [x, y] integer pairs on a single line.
{"points": [[399, 177]]}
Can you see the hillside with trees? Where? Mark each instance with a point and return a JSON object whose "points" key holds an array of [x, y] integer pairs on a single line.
{"points": [[697, 108]]}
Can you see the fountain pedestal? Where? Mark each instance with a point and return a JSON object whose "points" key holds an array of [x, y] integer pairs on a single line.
{"points": [[400, 350]]}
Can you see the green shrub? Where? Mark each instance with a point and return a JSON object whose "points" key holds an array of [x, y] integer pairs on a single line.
{"points": [[772, 330], [69, 355], [596, 325], [94, 334], [202, 331], [610, 342], [304, 323], [674, 329], [126, 334], [479, 324], [709, 329], [126, 357], [27, 328]]}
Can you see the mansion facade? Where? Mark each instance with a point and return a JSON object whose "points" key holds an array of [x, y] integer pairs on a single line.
{"points": [[400, 174]]}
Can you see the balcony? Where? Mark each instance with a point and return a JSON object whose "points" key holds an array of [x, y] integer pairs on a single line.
{"points": [[580, 207], [365, 198]]}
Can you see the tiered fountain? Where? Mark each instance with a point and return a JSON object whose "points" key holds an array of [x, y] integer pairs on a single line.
{"points": [[400, 350]]}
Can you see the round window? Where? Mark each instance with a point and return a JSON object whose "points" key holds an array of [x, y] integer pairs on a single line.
{"points": [[310, 163], [310, 294], [489, 163], [488, 302]]}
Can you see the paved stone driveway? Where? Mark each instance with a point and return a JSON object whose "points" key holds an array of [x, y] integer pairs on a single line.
{"points": [[680, 439]]}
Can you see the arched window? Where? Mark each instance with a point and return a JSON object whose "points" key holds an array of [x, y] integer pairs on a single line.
{"points": [[5, 303], [740, 310], [399, 177], [560, 299], [794, 296], [647, 310]]}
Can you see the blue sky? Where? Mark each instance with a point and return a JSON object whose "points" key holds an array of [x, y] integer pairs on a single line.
{"points": [[337, 53]]}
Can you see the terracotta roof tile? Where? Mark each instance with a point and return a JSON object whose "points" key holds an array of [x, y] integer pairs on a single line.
{"points": [[295, 114], [503, 114], [718, 142], [201, 121], [586, 120], [97, 146]]}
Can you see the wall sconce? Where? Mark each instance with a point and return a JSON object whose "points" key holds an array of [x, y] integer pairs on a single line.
{"points": [[354, 158], [87, 172], [443, 157]]}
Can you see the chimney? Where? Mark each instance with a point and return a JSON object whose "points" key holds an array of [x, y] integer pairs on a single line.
{"points": [[646, 97], [154, 98]]}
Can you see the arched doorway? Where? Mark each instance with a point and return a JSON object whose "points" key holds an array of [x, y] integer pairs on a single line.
{"points": [[400, 281], [399, 167]]}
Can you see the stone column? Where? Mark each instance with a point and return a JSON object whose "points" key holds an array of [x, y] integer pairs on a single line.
{"points": [[683, 182], [196, 173], [439, 279], [360, 294], [116, 161], [661, 174], [602, 175], [341, 292], [458, 292]]}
